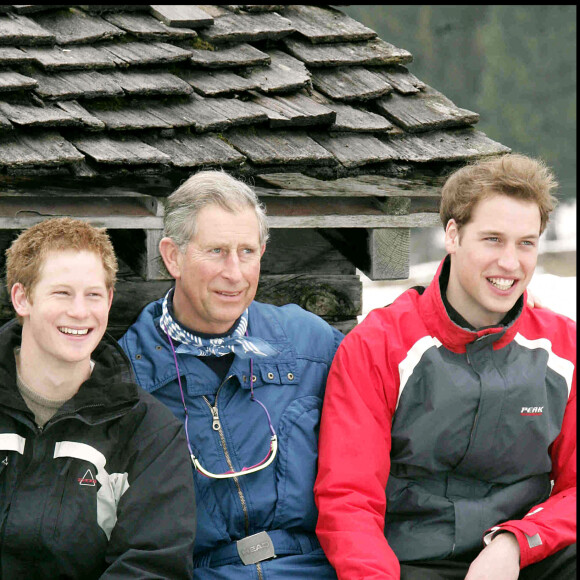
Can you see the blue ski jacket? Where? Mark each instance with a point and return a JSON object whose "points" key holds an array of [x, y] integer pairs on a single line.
{"points": [[229, 431]]}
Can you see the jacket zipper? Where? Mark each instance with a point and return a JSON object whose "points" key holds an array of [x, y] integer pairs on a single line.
{"points": [[217, 426], [475, 418]]}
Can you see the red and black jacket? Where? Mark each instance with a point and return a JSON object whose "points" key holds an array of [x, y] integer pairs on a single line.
{"points": [[467, 431]]}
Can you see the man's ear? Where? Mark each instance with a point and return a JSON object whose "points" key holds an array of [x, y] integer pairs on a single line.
{"points": [[451, 236], [20, 300], [262, 250], [171, 256]]}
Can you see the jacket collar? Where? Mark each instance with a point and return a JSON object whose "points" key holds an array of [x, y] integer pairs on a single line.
{"points": [[148, 348], [110, 390], [451, 334]]}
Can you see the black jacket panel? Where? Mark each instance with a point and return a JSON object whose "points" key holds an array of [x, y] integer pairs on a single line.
{"points": [[104, 490]]}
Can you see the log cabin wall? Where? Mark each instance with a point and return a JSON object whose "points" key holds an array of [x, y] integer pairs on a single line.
{"points": [[105, 110]]}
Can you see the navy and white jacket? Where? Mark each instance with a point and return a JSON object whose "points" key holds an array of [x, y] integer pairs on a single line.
{"points": [[104, 490], [229, 431]]}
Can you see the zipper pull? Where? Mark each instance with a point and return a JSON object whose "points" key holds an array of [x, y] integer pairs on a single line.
{"points": [[216, 426]]}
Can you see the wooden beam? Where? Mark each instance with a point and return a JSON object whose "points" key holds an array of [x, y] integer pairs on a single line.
{"points": [[382, 254], [127, 210]]}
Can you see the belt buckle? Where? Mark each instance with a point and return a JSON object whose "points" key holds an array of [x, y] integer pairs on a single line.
{"points": [[255, 548]]}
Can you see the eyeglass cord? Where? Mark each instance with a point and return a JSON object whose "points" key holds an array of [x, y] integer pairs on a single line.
{"points": [[252, 398]]}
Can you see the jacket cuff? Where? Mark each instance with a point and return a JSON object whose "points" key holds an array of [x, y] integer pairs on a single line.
{"points": [[526, 543]]}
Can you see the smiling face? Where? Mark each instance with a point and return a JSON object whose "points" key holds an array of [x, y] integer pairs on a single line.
{"points": [[217, 275], [493, 258], [66, 314]]}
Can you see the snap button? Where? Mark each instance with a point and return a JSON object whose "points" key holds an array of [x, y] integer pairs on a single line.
{"points": [[254, 379], [244, 378], [158, 347], [138, 356], [270, 376], [290, 376]]}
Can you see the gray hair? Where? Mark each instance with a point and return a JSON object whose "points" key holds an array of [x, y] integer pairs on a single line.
{"points": [[203, 189]]}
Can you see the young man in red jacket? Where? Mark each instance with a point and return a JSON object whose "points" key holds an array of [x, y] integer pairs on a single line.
{"points": [[448, 434]]}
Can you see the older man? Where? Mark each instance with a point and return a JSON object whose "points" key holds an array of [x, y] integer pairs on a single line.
{"points": [[246, 378]]}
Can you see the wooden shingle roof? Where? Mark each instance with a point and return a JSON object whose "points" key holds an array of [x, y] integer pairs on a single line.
{"points": [[113, 102], [98, 78]]}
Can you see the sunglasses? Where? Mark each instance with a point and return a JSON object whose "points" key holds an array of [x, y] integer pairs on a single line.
{"points": [[272, 451]]}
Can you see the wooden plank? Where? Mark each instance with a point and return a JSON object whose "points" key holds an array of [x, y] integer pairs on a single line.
{"points": [[47, 148], [382, 254], [128, 118], [354, 149], [212, 83], [372, 52], [331, 216], [142, 53], [146, 83], [72, 26], [232, 28], [359, 121], [427, 110], [75, 84], [303, 251], [23, 211], [146, 27], [389, 253], [21, 31], [78, 112], [228, 57], [234, 111], [190, 113], [74, 58], [111, 150], [321, 24], [30, 116], [295, 110], [285, 74], [13, 81], [10, 55], [354, 83], [401, 79], [444, 146], [181, 16], [299, 185], [274, 147], [197, 151]]}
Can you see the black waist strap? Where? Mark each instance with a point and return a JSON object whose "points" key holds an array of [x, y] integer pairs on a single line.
{"points": [[285, 543]]}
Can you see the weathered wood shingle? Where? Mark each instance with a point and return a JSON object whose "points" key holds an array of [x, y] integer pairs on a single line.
{"points": [[72, 26], [247, 28], [320, 25], [22, 31]]}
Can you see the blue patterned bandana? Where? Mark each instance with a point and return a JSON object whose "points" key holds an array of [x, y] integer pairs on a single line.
{"points": [[236, 342]]}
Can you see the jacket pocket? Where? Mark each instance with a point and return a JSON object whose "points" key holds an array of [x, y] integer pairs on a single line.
{"points": [[74, 498], [297, 464]]}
